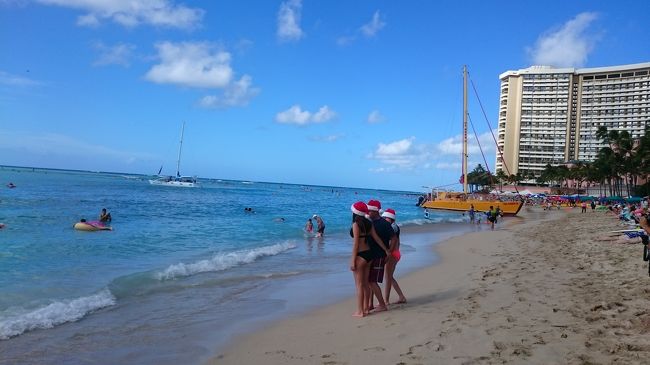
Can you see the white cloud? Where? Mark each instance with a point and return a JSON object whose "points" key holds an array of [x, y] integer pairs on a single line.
{"points": [[567, 46], [323, 114], [190, 64], [119, 54], [375, 25], [368, 30], [449, 165], [407, 154], [382, 169], [295, 115], [8, 79], [375, 117], [395, 148], [454, 145], [289, 21], [403, 154], [238, 93], [202, 65], [131, 13], [327, 139]]}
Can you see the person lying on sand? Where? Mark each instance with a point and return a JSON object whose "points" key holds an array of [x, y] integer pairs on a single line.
{"points": [[631, 235]]}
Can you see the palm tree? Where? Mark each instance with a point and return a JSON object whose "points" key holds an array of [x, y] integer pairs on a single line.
{"points": [[501, 177], [479, 177]]}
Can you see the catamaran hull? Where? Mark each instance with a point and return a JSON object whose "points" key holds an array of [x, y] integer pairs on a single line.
{"points": [[507, 208], [180, 184]]}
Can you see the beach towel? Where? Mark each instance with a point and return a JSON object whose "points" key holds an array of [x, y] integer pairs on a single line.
{"points": [[635, 234]]}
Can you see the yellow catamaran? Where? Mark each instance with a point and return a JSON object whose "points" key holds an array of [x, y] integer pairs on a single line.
{"points": [[462, 202]]}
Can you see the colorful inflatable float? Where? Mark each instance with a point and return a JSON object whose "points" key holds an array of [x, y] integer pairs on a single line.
{"points": [[91, 226]]}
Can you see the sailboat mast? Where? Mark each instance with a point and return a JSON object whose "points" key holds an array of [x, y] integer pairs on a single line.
{"points": [[180, 148], [465, 129]]}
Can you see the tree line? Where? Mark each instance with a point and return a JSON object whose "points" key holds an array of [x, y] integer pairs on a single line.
{"points": [[618, 168]]}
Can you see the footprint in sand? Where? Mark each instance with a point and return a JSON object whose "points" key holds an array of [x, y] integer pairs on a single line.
{"points": [[376, 349]]}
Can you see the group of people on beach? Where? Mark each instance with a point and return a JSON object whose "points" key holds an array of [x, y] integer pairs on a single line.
{"points": [[375, 254], [635, 220], [491, 215]]}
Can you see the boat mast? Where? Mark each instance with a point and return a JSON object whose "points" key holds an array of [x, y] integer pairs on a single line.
{"points": [[465, 129], [180, 148]]}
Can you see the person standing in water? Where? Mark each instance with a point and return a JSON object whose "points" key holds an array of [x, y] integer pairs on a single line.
{"points": [[320, 225], [309, 226], [492, 216], [472, 213], [389, 215]]}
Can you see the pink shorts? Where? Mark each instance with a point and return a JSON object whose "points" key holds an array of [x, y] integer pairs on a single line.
{"points": [[397, 255]]}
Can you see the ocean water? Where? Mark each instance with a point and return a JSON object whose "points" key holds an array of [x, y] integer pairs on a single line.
{"points": [[183, 269]]}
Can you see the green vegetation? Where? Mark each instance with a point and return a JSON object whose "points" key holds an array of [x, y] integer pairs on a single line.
{"points": [[617, 169], [618, 166]]}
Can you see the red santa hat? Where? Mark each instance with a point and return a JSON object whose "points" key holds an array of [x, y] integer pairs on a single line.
{"points": [[359, 208], [374, 205], [389, 213]]}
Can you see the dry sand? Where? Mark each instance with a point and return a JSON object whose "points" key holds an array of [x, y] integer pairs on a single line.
{"points": [[539, 292]]}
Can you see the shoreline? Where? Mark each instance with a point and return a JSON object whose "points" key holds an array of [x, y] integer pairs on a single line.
{"points": [[301, 298], [545, 291], [279, 340]]}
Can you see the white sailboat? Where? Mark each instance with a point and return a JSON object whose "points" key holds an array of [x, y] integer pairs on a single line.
{"points": [[178, 180]]}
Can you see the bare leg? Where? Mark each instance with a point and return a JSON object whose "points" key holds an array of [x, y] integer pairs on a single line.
{"points": [[367, 294], [381, 306], [392, 283], [388, 279], [402, 298], [360, 281], [369, 299]]}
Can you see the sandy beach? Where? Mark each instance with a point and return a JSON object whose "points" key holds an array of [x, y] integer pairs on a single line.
{"points": [[538, 290]]}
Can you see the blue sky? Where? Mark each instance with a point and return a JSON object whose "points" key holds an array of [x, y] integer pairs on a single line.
{"points": [[344, 93]]}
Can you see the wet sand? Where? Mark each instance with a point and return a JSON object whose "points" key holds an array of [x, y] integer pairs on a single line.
{"points": [[541, 291]]}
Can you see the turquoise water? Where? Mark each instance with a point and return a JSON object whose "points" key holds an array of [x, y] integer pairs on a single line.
{"points": [[174, 253]]}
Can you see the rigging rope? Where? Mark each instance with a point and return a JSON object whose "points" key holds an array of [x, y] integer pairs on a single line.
{"points": [[491, 132], [480, 148]]}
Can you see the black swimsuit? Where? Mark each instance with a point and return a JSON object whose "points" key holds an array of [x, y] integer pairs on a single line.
{"points": [[367, 254]]}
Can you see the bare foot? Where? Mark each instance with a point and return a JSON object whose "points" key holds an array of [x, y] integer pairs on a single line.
{"points": [[357, 314], [380, 309], [401, 301]]}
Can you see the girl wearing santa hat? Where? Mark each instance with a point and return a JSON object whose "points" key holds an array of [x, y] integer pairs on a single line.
{"points": [[361, 254], [390, 216]]}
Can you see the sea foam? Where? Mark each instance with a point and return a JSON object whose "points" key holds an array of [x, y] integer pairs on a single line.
{"points": [[222, 261], [15, 322]]}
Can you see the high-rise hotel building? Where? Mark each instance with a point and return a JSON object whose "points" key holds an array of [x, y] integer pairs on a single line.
{"points": [[551, 115]]}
